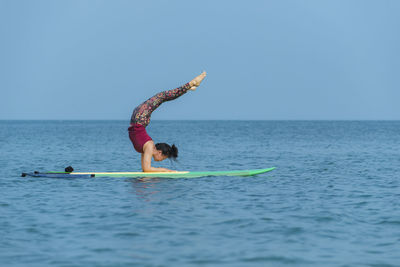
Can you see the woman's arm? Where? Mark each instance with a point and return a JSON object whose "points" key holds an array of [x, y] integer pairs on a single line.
{"points": [[146, 161]]}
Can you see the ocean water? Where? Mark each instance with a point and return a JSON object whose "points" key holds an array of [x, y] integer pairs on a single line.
{"points": [[334, 199]]}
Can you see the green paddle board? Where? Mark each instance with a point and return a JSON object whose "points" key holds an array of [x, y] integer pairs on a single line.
{"points": [[180, 174]]}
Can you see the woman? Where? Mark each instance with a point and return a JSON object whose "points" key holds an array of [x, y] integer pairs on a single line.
{"points": [[141, 141]]}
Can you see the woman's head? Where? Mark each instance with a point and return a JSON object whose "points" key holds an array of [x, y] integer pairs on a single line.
{"points": [[166, 151]]}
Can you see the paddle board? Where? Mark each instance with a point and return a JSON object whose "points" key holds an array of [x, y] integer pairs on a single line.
{"points": [[180, 174]]}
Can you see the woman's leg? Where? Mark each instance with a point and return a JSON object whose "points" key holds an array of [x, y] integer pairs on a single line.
{"points": [[141, 114]]}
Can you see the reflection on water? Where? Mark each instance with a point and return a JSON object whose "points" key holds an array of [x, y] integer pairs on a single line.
{"points": [[145, 187]]}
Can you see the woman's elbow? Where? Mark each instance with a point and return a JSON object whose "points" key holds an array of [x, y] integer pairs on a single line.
{"points": [[146, 169]]}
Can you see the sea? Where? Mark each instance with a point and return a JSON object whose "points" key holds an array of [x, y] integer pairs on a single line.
{"points": [[333, 199]]}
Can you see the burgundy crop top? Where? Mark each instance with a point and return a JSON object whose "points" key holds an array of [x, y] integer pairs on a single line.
{"points": [[138, 136]]}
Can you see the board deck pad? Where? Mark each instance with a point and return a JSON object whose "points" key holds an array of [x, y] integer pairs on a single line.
{"points": [[180, 174]]}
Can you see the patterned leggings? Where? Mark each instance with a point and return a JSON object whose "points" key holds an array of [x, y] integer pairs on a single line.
{"points": [[141, 114]]}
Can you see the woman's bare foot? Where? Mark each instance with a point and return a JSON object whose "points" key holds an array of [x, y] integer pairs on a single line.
{"points": [[196, 81]]}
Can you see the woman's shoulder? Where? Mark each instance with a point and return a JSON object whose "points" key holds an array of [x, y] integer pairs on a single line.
{"points": [[149, 146]]}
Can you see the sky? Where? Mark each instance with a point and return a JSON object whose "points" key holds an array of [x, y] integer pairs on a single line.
{"points": [[266, 60]]}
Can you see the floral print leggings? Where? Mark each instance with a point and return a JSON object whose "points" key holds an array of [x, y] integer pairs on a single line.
{"points": [[141, 114]]}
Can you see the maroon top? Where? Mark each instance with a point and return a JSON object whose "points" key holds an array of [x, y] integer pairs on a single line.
{"points": [[138, 136]]}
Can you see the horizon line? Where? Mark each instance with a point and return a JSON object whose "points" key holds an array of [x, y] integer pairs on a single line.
{"points": [[203, 120]]}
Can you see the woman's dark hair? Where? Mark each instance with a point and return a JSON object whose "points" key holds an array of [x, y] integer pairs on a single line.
{"points": [[167, 150]]}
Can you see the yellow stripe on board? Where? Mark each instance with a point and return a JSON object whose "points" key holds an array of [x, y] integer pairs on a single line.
{"points": [[129, 173]]}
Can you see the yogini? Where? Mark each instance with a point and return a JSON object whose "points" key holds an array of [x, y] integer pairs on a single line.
{"points": [[141, 141]]}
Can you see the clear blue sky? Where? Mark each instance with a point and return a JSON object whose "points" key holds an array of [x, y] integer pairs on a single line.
{"points": [[281, 59]]}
